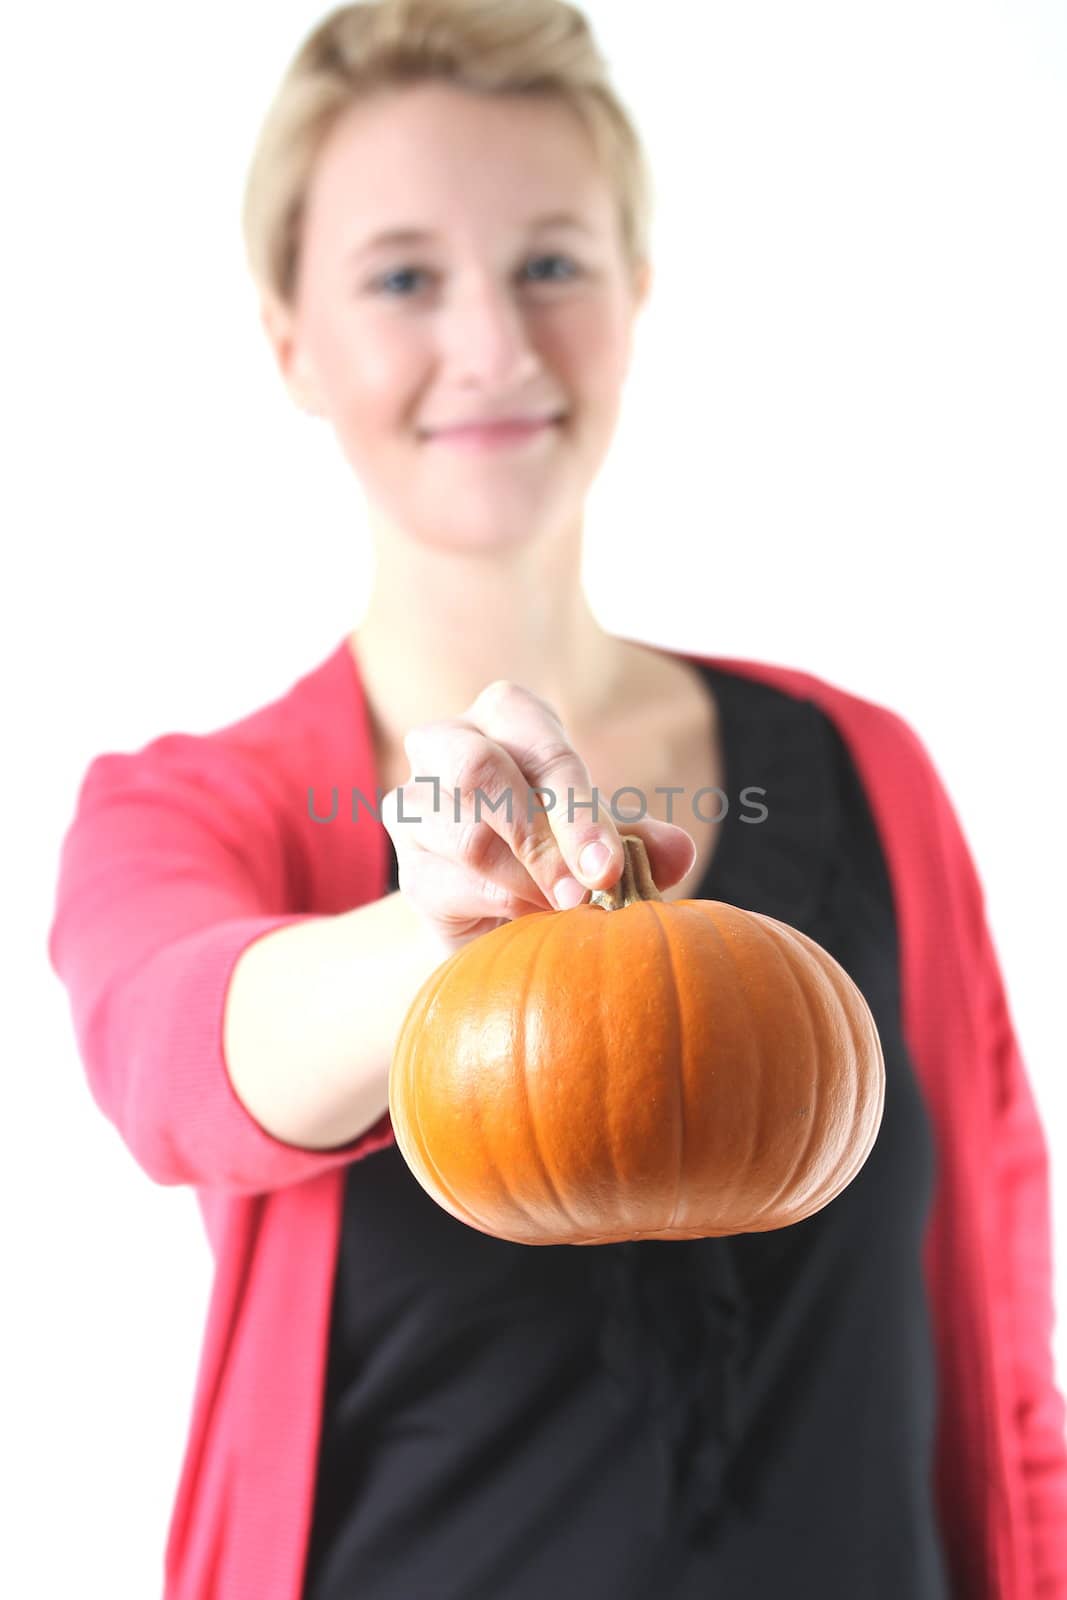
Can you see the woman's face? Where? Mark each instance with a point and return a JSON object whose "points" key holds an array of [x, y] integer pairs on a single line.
{"points": [[490, 314]]}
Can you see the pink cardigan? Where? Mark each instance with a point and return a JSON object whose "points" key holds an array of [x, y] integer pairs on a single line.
{"points": [[180, 854]]}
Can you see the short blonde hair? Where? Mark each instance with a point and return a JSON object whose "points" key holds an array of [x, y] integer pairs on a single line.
{"points": [[524, 47]]}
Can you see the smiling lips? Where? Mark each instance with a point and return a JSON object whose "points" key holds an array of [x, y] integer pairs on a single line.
{"points": [[485, 434]]}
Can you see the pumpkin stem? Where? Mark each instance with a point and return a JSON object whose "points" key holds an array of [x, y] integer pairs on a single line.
{"points": [[636, 882]]}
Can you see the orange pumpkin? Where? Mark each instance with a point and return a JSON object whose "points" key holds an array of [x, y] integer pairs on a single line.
{"points": [[637, 1068]]}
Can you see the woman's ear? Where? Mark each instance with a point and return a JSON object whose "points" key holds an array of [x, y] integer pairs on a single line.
{"points": [[293, 362]]}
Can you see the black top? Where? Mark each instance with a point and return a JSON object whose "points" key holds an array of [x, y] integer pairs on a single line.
{"points": [[658, 1420]]}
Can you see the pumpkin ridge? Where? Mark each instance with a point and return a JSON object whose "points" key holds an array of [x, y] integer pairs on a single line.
{"points": [[662, 921], [823, 957], [599, 946], [788, 1176], [781, 946], [605, 965], [858, 1076], [876, 1121], [411, 1100], [754, 1054], [550, 928], [872, 1028], [491, 960]]}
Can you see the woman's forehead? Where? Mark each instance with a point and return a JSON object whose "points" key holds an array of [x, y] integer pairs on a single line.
{"points": [[415, 158]]}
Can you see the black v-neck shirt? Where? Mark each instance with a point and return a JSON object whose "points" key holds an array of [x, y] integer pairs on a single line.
{"points": [[658, 1420]]}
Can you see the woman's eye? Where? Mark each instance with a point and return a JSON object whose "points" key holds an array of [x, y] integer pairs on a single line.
{"points": [[565, 259], [382, 284]]}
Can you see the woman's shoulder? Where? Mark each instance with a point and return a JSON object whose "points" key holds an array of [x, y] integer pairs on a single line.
{"points": [[244, 800]]}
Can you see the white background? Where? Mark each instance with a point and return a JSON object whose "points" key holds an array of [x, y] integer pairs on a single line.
{"points": [[842, 449]]}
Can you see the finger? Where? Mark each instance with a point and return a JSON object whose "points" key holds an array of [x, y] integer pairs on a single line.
{"points": [[484, 856], [529, 729], [447, 893], [480, 781]]}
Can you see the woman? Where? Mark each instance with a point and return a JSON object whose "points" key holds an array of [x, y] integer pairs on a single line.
{"points": [[389, 1403]]}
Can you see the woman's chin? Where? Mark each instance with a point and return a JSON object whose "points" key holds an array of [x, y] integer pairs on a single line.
{"points": [[486, 522]]}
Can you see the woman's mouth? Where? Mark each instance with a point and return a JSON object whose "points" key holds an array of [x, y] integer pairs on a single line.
{"points": [[490, 436]]}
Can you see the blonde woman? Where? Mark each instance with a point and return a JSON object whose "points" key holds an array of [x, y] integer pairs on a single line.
{"points": [[447, 218]]}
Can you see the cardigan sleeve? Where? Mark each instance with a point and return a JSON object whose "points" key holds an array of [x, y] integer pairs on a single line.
{"points": [[175, 862], [1024, 1312]]}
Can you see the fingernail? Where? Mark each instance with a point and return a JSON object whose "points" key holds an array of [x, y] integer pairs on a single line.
{"points": [[568, 892], [593, 859]]}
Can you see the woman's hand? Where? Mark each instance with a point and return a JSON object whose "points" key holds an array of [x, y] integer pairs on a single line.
{"points": [[472, 872]]}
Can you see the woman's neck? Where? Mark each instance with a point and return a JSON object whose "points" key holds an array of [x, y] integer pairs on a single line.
{"points": [[440, 626]]}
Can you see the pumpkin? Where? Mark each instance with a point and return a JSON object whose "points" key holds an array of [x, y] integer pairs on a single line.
{"points": [[636, 1068]]}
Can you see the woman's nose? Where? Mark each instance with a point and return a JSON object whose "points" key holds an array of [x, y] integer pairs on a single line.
{"points": [[486, 335]]}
